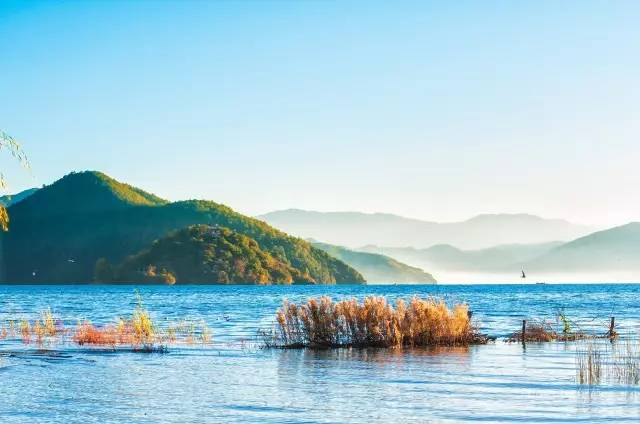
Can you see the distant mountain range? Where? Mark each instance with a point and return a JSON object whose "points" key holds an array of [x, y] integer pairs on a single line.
{"points": [[609, 255], [88, 222], [613, 249], [354, 229], [502, 258], [377, 268]]}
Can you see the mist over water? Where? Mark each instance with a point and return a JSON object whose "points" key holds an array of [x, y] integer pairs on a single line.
{"points": [[614, 277], [235, 380]]}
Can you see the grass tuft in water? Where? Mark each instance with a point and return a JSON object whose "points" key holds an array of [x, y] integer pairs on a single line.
{"points": [[138, 332], [590, 364], [543, 331], [535, 332], [599, 362], [323, 323]]}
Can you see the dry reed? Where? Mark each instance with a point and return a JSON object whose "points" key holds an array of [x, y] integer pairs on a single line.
{"points": [[138, 332], [543, 331], [590, 364], [601, 362], [535, 332], [321, 323]]}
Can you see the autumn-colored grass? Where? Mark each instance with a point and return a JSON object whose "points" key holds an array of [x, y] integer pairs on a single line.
{"points": [[535, 332], [141, 333], [25, 331], [544, 331], [138, 332], [320, 323], [87, 334], [41, 330]]}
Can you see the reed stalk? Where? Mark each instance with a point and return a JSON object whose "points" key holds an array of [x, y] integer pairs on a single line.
{"points": [[322, 323]]}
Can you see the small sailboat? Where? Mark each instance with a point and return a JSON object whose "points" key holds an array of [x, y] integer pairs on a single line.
{"points": [[523, 274]]}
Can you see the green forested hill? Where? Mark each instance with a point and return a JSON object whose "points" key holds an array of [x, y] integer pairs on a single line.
{"points": [[202, 254], [377, 268], [61, 231]]}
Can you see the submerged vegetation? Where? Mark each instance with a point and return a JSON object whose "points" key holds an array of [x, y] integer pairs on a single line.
{"points": [[598, 362], [323, 323], [534, 332], [564, 331], [138, 332]]}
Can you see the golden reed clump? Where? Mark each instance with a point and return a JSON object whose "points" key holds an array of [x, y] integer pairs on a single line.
{"points": [[373, 323]]}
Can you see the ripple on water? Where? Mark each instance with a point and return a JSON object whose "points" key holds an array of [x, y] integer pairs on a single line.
{"points": [[236, 381]]}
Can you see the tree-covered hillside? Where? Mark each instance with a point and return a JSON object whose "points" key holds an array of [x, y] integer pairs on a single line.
{"points": [[202, 254], [61, 231]]}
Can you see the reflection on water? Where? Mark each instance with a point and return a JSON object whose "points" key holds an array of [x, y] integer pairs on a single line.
{"points": [[236, 381]]}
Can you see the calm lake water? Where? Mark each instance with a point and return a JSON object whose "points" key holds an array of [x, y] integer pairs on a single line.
{"points": [[234, 380]]}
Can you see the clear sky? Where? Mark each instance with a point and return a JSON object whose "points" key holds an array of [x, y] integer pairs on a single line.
{"points": [[434, 110]]}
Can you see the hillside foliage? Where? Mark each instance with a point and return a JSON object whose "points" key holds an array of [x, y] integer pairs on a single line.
{"points": [[59, 233], [207, 254]]}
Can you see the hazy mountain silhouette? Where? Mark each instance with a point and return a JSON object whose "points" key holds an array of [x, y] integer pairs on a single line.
{"points": [[444, 257], [608, 255], [355, 229], [615, 249]]}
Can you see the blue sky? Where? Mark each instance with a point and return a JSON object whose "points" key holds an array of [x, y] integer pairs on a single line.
{"points": [[431, 110]]}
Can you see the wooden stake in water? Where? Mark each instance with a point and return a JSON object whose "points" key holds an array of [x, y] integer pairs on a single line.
{"points": [[524, 330], [612, 331]]}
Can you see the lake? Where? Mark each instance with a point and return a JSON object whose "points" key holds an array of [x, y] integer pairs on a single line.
{"points": [[235, 380]]}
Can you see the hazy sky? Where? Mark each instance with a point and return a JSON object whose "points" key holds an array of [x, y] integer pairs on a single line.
{"points": [[427, 109]]}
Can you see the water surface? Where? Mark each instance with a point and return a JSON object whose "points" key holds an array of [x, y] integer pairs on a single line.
{"points": [[234, 380]]}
